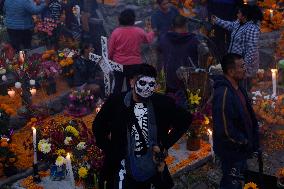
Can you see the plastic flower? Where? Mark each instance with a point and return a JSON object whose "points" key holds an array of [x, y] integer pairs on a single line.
{"points": [[67, 140], [60, 161], [194, 99], [60, 152], [81, 146], [83, 172], [250, 185]]}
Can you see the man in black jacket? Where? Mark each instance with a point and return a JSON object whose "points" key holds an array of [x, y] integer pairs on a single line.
{"points": [[134, 129], [235, 127]]}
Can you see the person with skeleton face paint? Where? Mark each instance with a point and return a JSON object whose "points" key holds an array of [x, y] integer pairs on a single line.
{"points": [[132, 129]]}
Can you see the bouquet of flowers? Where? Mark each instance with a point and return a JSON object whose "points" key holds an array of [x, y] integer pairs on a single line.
{"points": [[81, 103], [57, 139], [47, 29]]}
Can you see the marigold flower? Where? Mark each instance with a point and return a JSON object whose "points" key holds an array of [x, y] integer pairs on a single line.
{"points": [[83, 172]]}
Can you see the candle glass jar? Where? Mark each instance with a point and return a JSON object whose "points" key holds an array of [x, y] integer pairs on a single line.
{"points": [[57, 173]]}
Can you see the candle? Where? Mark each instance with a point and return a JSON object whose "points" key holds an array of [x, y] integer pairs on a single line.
{"points": [[98, 108], [34, 144], [245, 2], [271, 13], [70, 170], [105, 184], [22, 56], [33, 91], [211, 143], [11, 93], [32, 82], [274, 83], [4, 78], [18, 85]]}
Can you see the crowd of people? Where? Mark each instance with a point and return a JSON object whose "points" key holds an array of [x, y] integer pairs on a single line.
{"points": [[132, 127]]}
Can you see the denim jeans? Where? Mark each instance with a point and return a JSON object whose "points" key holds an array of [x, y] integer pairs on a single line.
{"points": [[232, 174]]}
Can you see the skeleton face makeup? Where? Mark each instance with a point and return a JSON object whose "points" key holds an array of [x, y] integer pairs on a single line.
{"points": [[145, 86]]}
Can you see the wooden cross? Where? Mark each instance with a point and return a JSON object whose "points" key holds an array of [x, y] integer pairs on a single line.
{"points": [[107, 66]]}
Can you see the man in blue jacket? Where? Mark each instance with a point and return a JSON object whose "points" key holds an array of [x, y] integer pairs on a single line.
{"points": [[235, 127]]}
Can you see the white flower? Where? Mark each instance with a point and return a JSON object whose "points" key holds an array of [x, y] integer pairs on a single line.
{"points": [[4, 78], [60, 161], [266, 97], [32, 82], [81, 146], [2, 71], [44, 146], [257, 93], [254, 98], [67, 140], [18, 85]]}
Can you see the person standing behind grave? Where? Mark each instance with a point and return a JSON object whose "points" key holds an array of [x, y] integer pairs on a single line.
{"points": [[245, 33], [235, 127], [163, 17], [124, 46], [178, 48], [19, 21]]}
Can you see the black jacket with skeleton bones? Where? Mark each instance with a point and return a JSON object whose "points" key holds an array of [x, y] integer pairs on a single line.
{"points": [[114, 118]]}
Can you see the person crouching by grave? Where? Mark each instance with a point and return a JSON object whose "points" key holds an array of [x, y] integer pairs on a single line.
{"points": [[132, 129], [178, 48], [125, 47], [87, 72], [235, 127]]}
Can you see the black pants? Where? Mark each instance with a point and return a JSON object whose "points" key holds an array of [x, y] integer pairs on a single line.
{"points": [[119, 77], [20, 39]]}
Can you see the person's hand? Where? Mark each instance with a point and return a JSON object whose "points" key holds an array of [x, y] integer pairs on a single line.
{"points": [[213, 19], [148, 26]]}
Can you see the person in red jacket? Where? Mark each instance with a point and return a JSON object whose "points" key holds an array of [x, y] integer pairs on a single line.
{"points": [[125, 46]]}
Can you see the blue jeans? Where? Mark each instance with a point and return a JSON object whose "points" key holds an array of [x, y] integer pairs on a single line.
{"points": [[232, 174]]}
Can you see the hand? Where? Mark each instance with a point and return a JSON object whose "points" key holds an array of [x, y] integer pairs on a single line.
{"points": [[213, 19]]}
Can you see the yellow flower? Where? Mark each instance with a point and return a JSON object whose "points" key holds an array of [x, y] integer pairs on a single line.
{"points": [[250, 185], [83, 172], [194, 99], [72, 130], [61, 55], [60, 161], [60, 152], [207, 120]]}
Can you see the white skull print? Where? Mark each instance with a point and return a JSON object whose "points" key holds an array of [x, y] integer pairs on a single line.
{"points": [[145, 86]]}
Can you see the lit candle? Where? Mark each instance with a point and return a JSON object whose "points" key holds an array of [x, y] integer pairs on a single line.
{"points": [[70, 170], [34, 144], [271, 13], [33, 91], [98, 108], [11, 93], [105, 184], [22, 56], [245, 2], [211, 143], [274, 83]]}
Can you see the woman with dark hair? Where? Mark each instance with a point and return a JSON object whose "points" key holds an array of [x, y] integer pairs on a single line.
{"points": [[245, 36], [125, 46]]}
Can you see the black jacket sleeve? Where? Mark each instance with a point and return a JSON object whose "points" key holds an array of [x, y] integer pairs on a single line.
{"points": [[180, 120], [102, 125]]}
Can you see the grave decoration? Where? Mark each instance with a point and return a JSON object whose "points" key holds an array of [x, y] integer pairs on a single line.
{"points": [[70, 145]]}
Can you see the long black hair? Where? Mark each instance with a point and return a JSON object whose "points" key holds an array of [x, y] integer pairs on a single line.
{"points": [[251, 12], [127, 17]]}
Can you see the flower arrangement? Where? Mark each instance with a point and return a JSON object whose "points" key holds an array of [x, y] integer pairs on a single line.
{"points": [[58, 139], [81, 103], [8, 158], [47, 26]]}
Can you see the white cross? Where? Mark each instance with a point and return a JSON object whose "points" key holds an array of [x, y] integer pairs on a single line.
{"points": [[107, 66]]}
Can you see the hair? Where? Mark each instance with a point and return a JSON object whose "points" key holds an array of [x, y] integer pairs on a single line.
{"points": [[251, 12], [229, 60], [85, 46], [127, 17], [179, 21], [145, 70]]}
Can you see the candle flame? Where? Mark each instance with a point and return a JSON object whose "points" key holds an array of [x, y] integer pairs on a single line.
{"points": [[270, 10], [33, 128], [274, 70], [209, 131]]}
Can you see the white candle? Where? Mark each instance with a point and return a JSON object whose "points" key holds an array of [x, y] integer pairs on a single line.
{"points": [[211, 143], [21, 56], [69, 170], [18, 85], [274, 81], [32, 82], [271, 13], [34, 144], [33, 91], [11, 93]]}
